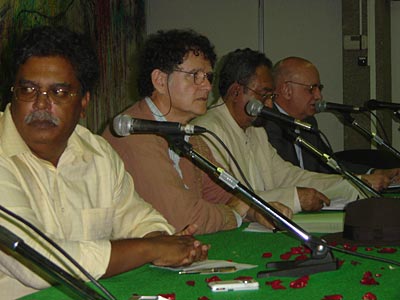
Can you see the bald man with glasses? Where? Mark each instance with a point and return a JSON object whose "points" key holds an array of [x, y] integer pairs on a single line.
{"points": [[298, 87]]}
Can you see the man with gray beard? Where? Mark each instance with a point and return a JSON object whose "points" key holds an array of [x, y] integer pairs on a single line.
{"points": [[68, 182]]}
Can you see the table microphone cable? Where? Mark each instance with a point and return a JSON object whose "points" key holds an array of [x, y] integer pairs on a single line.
{"points": [[61, 250]]}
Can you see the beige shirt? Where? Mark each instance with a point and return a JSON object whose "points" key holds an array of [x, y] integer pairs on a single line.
{"points": [[272, 178], [82, 204]]}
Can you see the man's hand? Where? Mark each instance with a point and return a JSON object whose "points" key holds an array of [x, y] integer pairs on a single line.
{"points": [[177, 250], [380, 179], [258, 217], [311, 199]]}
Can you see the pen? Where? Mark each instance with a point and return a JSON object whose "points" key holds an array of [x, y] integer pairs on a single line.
{"points": [[210, 270]]}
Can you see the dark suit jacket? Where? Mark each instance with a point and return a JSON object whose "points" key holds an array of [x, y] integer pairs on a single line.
{"points": [[284, 144]]}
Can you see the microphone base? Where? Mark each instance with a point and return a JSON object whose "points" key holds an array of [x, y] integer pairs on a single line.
{"points": [[300, 268]]}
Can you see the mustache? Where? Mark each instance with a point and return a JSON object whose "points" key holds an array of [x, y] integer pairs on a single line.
{"points": [[41, 115]]}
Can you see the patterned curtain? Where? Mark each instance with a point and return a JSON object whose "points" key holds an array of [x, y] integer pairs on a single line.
{"points": [[116, 28]]}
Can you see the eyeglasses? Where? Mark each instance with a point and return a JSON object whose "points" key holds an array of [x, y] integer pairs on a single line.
{"points": [[267, 95], [198, 76], [31, 93], [310, 87]]}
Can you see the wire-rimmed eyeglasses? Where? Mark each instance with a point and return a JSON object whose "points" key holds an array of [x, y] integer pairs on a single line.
{"points": [[310, 87], [265, 96], [198, 76], [31, 93]]}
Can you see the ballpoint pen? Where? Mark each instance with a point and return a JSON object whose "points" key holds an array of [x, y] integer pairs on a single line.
{"points": [[210, 270]]}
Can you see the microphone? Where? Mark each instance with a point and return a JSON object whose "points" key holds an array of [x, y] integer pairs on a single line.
{"points": [[256, 108], [322, 106], [375, 105], [125, 125]]}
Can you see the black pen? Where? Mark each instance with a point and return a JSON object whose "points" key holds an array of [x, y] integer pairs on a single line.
{"points": [[209, 270]]}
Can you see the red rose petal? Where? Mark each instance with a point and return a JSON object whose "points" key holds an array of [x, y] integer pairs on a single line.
{"points": [[341, 262], [369, 296], [213, 278], [387, 250], [267, 254], [368, 279], [300, 282], [286, 256], [276, 284], [190, 283], [301, 257], [203, 298], [333, 297], [369, 249], [355, 263]]}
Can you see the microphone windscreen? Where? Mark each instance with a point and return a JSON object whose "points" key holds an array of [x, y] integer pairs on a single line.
{"points": [[320, 106], [253, 107], [122, 125]]}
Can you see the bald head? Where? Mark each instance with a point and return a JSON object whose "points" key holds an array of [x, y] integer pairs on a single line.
{"points": [[298, 86]]}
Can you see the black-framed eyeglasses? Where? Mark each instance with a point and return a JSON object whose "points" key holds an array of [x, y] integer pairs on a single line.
{"points": [[310, 87], [31, 93], [198, 76], [265, 96]]}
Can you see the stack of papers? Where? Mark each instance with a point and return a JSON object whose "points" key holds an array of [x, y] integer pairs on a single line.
{"points": [[317, 222]]}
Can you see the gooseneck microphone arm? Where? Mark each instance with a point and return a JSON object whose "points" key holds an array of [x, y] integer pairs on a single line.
{"points": [[371, 135], [321, 257], [332, 163], [14, 244]]}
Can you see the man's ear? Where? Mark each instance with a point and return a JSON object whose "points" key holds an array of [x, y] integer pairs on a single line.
{"points": [[159, 80], [84, 104], [234, 91], [286, 90]]}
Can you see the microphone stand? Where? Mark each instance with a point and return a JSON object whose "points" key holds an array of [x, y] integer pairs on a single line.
{"points": [[321, 259], [371, 135], [15, 244], [332, 163]]}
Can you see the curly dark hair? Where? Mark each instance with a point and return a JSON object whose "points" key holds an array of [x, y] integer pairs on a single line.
{"points": [[165, 50], [59, 41], [239, 66]]}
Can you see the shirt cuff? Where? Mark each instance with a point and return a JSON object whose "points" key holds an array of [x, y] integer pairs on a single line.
{"points": [[239, 220], [296, 201]]}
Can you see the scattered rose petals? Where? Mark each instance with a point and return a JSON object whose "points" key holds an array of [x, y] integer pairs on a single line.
{"points": [[341, 262], [387, 250], [213, 278], [300, 282], [369, 249], [333, 297], [276, 284], [350, 247], [378, 275], [368, 279], [369, 296], [168, 296], [355, 263], [244, 278], [190, 283], [203, 298], [267, 254]]}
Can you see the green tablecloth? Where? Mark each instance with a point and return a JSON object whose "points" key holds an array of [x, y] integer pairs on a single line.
{"points": [[248, 247]]}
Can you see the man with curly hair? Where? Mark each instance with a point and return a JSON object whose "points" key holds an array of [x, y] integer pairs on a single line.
{"points": [[68, 182], [175, 76]]}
